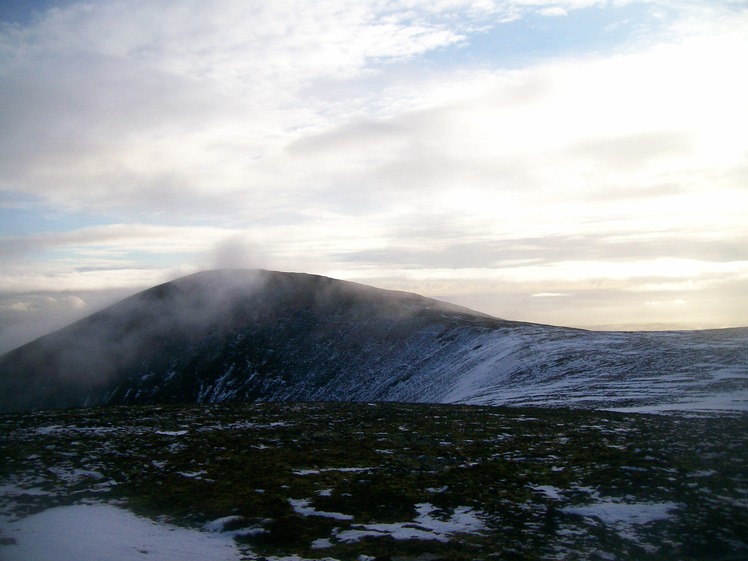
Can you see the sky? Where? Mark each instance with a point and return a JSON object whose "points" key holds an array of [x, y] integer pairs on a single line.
{"points": [[570, 162]]}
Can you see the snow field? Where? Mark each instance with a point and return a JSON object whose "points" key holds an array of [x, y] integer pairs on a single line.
{"points": [[102, 532]]}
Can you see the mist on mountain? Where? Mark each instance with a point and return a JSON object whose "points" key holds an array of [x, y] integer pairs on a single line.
{"points": [[255, 335]]}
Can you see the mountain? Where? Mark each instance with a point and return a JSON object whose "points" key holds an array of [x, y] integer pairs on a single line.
{"points": [[241, 335]]}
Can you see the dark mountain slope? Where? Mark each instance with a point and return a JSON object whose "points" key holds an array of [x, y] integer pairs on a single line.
{"points": [[232, 335], [257, 335]]}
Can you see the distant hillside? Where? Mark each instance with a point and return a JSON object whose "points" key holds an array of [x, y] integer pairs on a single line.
{"points": [[239, 335]]}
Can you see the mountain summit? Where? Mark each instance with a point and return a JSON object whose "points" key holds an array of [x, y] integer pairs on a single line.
{"points": [[251, 335]]}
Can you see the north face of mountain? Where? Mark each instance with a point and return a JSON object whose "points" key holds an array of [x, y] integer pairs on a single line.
{"points": [[237, 335]]}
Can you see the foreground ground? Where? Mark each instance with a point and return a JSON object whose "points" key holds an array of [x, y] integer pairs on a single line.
{"points": [[371, 481]]}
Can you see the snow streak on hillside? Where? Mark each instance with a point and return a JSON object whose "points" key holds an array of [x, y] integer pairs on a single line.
{"points": [[228, 336], [541, 366]]}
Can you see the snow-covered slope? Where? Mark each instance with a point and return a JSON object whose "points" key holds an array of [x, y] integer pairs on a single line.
{"points": [[613, 370], [258, 335]]}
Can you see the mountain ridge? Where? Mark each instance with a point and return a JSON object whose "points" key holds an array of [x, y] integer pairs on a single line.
{"points": [[254, 335]]}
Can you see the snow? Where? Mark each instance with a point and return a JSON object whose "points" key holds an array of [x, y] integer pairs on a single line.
{"points": [[193, 474], [75, 475], [702, 473], [424, 527], [222, 524], [634, 372], [735, 401], [549, 491], [11, 490], [342, 469], [459, 357], [321, 543], [219, 391], [219, 524], [627, 519], [615, 513], [101, 532], [44, 431], [292, 558], [302, 507]]}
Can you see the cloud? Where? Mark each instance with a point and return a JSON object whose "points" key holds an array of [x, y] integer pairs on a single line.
{"points": [[190, 109], [378, 141], [237, 252], [148, 98], [636, 122], [117, 239], [676, 302], [25, 317], [554, 11], [46, 302]]}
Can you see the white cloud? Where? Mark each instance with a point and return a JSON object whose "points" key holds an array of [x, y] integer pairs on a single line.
{"points": [[676, 302], [237, 252], [553, 11], [45, 302], [121, 238], [17, 307], [167, 101], [178, 108], [689, 285], [315, 136]]}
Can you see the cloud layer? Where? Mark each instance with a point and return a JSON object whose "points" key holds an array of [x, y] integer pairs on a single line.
{"points": [[481, 152]]}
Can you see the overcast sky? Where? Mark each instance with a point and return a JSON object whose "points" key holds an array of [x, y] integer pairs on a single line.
{"points": [[572, 162]]}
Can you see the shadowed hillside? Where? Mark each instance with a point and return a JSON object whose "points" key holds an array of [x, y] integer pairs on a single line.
{"points": [[238, 335]]}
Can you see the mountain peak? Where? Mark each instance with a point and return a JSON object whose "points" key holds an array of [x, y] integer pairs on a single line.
{"points": [[245, 335]]}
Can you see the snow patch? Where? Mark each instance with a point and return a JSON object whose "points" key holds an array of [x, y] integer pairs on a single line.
{"points": [[549, 491], [193, 474], [108, 533], [11, 490], [323, 470], [624, 514], [219, 524], [304, 508], [321, 543], [426, 526], [224, 524]]}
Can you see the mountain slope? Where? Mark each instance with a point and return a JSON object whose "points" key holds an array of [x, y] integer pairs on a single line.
{"points": [[237, 335]]}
